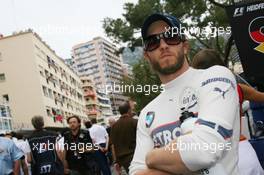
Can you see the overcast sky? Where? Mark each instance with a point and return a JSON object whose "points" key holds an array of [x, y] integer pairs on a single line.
{"points": [[60, 23]]}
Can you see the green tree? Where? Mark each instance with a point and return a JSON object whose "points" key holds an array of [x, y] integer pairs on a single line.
{"points": [[192, 13], [143, 76]]}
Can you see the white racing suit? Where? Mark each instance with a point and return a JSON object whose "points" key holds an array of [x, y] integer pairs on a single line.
{"points": [[212, 95]]}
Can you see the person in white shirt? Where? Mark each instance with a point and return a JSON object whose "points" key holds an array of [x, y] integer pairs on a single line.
{"points": [[209, 94], [60, 142], [100, 137], [25, 148], [248, 160]]}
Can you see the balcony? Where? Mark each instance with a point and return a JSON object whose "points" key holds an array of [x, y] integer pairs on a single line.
{"points": [[93, 112], [104, 105], [89, 94], [52, 63], [91, 102], [87, 84]]}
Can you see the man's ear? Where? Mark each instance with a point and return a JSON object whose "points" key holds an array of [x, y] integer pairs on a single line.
{"points": [[186, 47], [146, 56]]}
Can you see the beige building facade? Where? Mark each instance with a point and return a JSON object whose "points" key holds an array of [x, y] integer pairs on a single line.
{"points": [[35, 81]]}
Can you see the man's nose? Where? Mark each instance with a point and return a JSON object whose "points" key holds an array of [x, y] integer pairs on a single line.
{"points": [[163, 44]]}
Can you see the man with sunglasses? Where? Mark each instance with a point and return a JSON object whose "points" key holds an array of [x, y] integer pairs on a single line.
{"points": [[210, 95]]}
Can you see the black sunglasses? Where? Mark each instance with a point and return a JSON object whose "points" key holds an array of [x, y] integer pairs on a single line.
{"points": [[152, 42]]}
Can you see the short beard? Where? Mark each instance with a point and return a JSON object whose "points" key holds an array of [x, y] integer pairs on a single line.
{"points": [[168, 70]]}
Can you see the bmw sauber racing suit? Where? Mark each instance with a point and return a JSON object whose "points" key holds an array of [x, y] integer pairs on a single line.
{"points": [[212, 96]]}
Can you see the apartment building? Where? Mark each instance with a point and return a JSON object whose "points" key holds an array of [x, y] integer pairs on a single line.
{"points": [[99, 60], [35, 81]]}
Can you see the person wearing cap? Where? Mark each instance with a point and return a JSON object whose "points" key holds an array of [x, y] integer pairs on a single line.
{"points": [[210, 95]]}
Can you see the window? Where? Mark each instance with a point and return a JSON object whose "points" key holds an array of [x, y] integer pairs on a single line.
{"points": [[47, 76], [10, 124], [54, 83], [6, 98], [3, 112], [49, 112], [50, 93], [6, 124], [2, 77], [41, 73], [45, 91]]}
